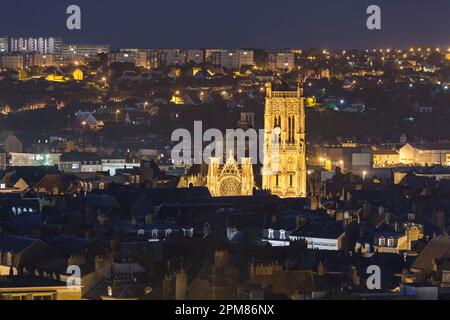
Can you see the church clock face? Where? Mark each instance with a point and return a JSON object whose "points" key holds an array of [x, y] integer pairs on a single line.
{"points": [[277, 131]]}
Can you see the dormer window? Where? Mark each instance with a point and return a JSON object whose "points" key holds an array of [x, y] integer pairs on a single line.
{"points": [[168, 232], [391, 242], [154, 234], [282, 235], [382, 241], [188, 232], [270, 235]]}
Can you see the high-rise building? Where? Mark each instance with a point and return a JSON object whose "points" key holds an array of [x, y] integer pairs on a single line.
{"points": [[3, 44], [246, 58], [72, 52], [12, 61], [282, 61], [195, 55], [168, 57], [284, 167], [42, 45], [135, 56], [39, 60], [230, 59]]}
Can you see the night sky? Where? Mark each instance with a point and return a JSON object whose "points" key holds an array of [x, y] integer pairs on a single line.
{"points": [[233, 23]]}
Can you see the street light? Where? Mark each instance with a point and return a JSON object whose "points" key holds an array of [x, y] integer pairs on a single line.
{"points": [[104, 80], [364, 174], [117, 114]]}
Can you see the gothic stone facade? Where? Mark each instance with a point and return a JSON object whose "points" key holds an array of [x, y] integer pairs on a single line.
{"points": [[284, 168], [231, 178]]}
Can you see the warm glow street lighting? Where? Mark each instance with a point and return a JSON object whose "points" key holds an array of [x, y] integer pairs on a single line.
{"points": [[364, 174], [117, 114]]}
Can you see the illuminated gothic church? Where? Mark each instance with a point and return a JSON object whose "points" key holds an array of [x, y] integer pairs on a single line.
{"points": [[284, 166], [228, 179], [231, 178]]}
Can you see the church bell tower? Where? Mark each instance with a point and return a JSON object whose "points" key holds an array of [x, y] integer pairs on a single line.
{"points": [[284, 167]]}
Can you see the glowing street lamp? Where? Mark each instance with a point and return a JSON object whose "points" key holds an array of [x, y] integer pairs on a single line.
{"points": [[364, 174], [117, 114]]}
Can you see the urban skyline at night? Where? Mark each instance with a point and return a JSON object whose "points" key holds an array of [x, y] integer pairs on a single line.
{"points": [[221, 159], [236, 24]]}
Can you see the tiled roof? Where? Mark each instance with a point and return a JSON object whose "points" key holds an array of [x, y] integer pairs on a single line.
{"points": [[28, 281], [14, 243], [437, 248]]}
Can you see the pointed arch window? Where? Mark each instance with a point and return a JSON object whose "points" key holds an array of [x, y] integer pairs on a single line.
{"points": [[291, 129]]}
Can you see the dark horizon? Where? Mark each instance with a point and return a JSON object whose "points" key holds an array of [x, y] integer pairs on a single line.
{"points": [[234, 24]]}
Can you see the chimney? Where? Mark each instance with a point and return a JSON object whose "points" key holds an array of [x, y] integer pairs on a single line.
{"points": [[115, 247], [366, 210], [181, 285], [221, 258], [148, 218], [251, 270], [101, 262], [274, 218], [168, 287], [76, 260], [321, 269]]}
